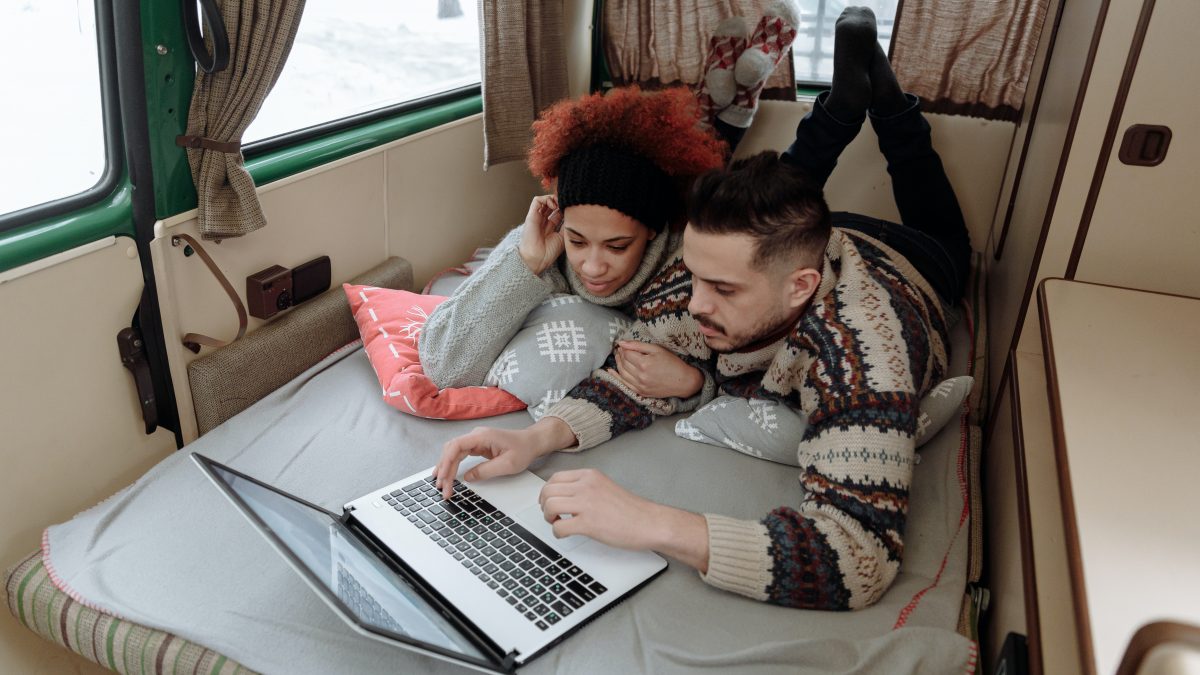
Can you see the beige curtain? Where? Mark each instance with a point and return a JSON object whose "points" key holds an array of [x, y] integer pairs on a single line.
{"points": [[658, 43], [261, 33], [968, 57], [524, 70]]}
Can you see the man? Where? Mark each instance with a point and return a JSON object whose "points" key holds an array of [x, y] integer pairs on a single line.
{"points": [[844, 324]]}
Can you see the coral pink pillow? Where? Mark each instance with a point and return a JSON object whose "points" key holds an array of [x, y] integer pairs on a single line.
{"points": [[390, 324]]}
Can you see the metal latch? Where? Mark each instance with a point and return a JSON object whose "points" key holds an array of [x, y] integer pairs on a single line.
{"points": [[133, 357]]}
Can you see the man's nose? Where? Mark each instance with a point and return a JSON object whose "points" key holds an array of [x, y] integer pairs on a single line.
{"points": [[700, 304]]}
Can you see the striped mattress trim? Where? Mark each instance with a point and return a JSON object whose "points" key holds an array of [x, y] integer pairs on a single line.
{"points": [[114, 643]]}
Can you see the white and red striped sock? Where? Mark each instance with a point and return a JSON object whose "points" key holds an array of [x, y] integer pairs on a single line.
{"points": [[767, 46]]}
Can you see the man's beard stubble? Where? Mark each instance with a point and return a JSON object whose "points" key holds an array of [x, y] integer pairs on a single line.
{"points": [[769, 327]]}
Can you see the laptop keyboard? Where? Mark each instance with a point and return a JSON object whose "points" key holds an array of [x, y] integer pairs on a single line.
{"points": [[362, 603], [538, 582]]}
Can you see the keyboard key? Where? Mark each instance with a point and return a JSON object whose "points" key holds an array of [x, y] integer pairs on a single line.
{"points": [[500, 576], [537, 589], [426, 516], [585, 579], [454, 538], [488, 551], [506, 521], [397, 493], [458, 556], [490, 568], [557, 588], [507, 566], [522, 546], [510, 584], [508, 550], [518, 573], [552, 618], [562, 608], [398, 507], [496, 526], [573, 601], [546, 580], [563, 577], [582, 592], [542, 625], [412, 518], [541, 610], [546, 597], [520, 608], [528, 581], [597, 588], [531, 616], [493, 585], [511, 600], [520, 592]]}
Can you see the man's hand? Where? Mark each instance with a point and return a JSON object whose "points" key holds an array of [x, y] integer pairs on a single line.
{"points": [[541, 242], [610, 514], [508, 451], [655, 372]]}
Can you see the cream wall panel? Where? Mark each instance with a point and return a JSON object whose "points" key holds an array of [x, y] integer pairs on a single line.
{"points": [[1006, 607], [1008, 276], [1116, 36], [973, 151], [337, 212], [72, 429], [442, 205], [1144, 231], [579, 46]]}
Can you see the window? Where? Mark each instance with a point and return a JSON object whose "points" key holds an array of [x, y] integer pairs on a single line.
{"points": [[354, 57], [52, 124], [813, 48]]}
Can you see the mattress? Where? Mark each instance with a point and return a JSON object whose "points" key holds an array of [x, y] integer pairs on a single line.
{"points": [[167, 577]]}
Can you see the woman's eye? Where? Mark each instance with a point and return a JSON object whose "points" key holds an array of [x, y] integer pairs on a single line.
{"points": [[619, 249], [577, 244]]}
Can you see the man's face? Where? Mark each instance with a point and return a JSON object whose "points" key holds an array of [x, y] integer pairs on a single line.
{"points": [[735, 303]]}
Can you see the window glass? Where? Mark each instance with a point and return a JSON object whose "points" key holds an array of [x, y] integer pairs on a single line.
{"points": [[51, 122], [813, 48], [354, 57]]}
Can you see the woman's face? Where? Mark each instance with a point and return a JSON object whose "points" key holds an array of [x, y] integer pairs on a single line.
{"points": [[604, 246]]}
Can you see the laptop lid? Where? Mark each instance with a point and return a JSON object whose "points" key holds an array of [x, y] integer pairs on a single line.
{"points": [[360, 582]]}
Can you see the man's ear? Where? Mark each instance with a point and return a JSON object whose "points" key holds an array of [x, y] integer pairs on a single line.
{"points": [[802, 283]]}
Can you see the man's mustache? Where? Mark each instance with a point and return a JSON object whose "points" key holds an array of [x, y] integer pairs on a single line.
{"points": [[708, 323]]}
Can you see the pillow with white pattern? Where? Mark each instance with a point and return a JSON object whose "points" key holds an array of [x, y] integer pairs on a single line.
{"points": [[771, 430], [561, 342]]}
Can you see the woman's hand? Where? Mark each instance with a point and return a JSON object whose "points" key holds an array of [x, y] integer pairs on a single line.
{"points": [[541, 242], [655, 372]]}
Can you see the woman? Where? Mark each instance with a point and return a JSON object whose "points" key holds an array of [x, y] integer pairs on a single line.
{"points": [[619, 164]]}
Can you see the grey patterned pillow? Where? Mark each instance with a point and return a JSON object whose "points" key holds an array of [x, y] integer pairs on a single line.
{"points": [[772, 431], [561, 342]]}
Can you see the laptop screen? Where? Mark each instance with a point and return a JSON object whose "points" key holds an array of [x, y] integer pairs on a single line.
{"points": [[366, 588]]}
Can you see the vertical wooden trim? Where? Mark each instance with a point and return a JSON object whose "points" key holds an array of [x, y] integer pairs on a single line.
{"points": [[1110, 134], [1031, 280], [895, 28], [1083, 625], [1033, 627], [1033, 114]]}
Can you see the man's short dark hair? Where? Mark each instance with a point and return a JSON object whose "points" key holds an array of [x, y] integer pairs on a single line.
{"points": [[772, 201]]}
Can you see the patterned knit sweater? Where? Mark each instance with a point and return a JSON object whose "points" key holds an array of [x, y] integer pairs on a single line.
{"points": [[871, 343]]}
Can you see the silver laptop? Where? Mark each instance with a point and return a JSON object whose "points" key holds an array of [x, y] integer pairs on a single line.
{"points": [[479, 580]]}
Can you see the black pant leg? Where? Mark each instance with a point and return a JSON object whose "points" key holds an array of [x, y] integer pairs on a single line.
{"points": [[820, 139], [923, 193]]}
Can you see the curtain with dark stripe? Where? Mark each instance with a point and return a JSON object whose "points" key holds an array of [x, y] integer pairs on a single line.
{"points": [[224, 103], [968, 57], [524, 71]]}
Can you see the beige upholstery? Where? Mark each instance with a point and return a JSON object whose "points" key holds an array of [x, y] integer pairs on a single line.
{"points": [[233, 378]]}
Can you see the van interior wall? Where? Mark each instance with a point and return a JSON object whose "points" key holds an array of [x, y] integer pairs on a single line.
{"points": [[425, 198], [71, 427], [973, 151]]}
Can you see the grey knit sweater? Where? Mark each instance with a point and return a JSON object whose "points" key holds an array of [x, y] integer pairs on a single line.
{"points": [[466, 334]]}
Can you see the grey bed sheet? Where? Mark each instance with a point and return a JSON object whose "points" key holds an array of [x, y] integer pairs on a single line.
{"points": [[171, 553]]}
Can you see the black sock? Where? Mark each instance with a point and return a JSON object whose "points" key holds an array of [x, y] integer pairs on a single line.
{"points": [[854, 43], [887, 98]]}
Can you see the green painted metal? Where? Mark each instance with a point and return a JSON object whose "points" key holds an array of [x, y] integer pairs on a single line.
{"points": [[112, 216], [318, 151], [808, 92], [169, 79]]}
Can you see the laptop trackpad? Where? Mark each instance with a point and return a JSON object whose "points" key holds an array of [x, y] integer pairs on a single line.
{"points": [[531, 517]]}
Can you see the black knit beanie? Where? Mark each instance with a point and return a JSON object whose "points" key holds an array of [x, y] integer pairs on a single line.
{"points": [[610, 176]]}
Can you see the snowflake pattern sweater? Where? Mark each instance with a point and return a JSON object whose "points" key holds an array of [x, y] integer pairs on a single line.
{"points": [[871, 343]]}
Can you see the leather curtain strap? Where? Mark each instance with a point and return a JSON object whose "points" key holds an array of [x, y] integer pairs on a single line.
{"points": [[200, 142], [193, 340]]}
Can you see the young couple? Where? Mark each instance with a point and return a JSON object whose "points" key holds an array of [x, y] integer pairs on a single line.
{"points": [[764, 295]]}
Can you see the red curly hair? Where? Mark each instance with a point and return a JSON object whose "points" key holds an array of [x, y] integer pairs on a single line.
{"points": [[660, 126]]}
